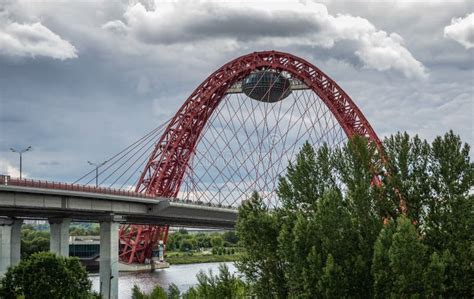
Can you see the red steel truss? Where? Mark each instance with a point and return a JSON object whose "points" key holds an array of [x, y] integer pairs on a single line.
{"points": [[164, 171]]}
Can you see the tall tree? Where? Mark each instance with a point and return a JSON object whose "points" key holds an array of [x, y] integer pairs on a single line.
{"points": [[450, 220], [434, 275], [327, 237], [381, 271], [407, 260], [408, 165], [258, 231]]}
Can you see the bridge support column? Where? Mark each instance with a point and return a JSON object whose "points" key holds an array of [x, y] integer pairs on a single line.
{"points": [[10, 246], [109, 259], [59, 236]]}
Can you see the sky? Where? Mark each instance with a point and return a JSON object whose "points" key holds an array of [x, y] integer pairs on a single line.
{"points": [[81, 80]]}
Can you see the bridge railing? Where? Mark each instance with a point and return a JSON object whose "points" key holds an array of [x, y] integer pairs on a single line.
{"points": [[7, 180]]}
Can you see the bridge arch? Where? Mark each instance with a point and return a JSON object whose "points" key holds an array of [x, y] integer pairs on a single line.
{"points": [[171, 156], [167, 164]]}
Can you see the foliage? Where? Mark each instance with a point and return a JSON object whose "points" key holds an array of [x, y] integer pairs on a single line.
{"points": [[230, 237], [184, 241], [406, 255], [34, 238], [222, 285], [33, 241], [381, 271], [197, 257], [258, 231], [185, 245], [45, 275], [217, 241], [156, 293], [173, 292], [339, 231], [84, 229]]}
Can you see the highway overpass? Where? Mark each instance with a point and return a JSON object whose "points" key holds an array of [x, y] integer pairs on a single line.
{"points": [[61, 203]]}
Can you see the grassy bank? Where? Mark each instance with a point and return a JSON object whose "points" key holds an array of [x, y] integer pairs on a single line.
{"points": [[179, 258]]}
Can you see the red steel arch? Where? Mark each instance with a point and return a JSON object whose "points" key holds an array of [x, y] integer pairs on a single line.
{"points": [[165, 169]]}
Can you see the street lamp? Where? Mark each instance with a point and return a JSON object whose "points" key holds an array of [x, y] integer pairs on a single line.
{"points": [[21, 155], [96, 165]]}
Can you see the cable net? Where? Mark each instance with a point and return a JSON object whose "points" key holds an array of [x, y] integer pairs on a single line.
{"points": [[244, 147], [247, 144]]}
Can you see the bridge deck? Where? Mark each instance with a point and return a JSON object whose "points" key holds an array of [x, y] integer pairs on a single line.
{"points": [[60, 200]]}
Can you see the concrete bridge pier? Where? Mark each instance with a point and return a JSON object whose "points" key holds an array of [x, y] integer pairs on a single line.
{"points": [[10, 246], [59, 236], [109, 258]]}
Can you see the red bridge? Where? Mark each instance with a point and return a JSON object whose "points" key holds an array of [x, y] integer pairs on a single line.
{"points": [[234, 134]]}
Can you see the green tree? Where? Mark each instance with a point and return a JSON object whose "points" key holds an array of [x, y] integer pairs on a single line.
{"points": [[409, 162], [258, 231], [45, 275], [356, 164], [231, 237], [185, 245], [328, 239], [340, 239], [33, 241], [156, 293], [435, 181], [217, 241], [223, 285], [203, 240], [434, 276], [173, 292], [381, 270], [137, 293], [450, 221], [331, 278], [407, 260]]}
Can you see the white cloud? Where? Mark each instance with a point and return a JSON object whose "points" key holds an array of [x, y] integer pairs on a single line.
{"points": [[382, 52], [33, 40], [6, 168], [276, 25], [116, 26], [461, 30]]}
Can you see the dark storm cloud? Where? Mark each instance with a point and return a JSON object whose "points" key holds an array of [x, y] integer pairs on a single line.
{"points": [[251, 24], [298, 23], [210, 21], [124, 83]]}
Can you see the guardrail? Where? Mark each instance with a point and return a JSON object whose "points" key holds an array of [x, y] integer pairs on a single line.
{"points": [[9, 181]]}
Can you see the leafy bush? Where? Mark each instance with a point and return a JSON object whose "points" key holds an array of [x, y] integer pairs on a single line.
{"points": [[223, 285], [185, 245], [46, 276], [156, 293], [217, 241]]}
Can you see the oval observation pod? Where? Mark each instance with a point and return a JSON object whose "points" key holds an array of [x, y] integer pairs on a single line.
{"points": [[266, 86]]}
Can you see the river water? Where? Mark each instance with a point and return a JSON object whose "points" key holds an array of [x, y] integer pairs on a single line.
{"points": [[184, 276]]}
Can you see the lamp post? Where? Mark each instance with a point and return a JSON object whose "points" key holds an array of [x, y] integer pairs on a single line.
{"points": [[96, 165], [21, 156]]}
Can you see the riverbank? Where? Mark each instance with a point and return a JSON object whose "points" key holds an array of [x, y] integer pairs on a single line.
{"points": [[183, 276], [179, 258]]}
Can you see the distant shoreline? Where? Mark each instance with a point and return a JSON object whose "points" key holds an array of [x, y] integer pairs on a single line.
{"points": [[183, 258]]}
